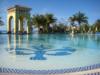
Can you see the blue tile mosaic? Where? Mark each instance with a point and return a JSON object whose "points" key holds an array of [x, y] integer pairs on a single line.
{"points": [[60, 71]]}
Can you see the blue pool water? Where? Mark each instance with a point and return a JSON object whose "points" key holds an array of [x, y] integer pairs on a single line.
{"points": [[49, 51]]}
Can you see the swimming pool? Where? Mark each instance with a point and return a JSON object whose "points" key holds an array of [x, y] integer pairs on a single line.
{"points": [[43, 52]]}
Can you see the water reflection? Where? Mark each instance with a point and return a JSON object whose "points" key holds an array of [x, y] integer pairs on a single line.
{"points": [[2, 39], [96, 39], [36, 52], [91, 41], [9, 41], [40, 46]]}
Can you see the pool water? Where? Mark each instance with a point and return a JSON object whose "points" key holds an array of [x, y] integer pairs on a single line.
{"points": [[49, 51]]}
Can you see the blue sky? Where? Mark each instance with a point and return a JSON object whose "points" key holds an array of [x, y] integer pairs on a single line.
{"points": [[62, 9]]}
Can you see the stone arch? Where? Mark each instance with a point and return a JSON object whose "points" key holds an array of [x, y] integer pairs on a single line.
{"points": [[23, 24], [10, 24], [20, 24], [19, 13]]}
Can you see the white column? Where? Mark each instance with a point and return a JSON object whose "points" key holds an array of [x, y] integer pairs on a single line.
{"points": [[19, 25], [8, 24]]}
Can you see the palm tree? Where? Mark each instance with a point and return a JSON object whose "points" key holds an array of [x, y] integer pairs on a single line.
{"points": [[43, 20], [49, 20], [97, 26], [1, 22], [72, 20], [38, 20], [84, 28], [81, 18]]}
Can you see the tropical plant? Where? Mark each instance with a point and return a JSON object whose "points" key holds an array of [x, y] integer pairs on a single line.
{"points": [[80, 18], [38, 20], [97, 26], [84, 28], [1, 22], [43, 20], [72, 20], [49, 20]]}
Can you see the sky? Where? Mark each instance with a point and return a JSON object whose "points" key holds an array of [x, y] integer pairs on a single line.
{"points": [[62, 9]]}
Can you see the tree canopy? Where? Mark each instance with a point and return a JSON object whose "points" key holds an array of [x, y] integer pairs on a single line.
{"points": [[43, 20], [78, 17], [1, 22]]}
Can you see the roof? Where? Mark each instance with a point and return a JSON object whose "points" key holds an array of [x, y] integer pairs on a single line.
{"points": [[18, 6]]}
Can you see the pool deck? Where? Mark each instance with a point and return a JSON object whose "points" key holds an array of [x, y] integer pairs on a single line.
{"points": [[88, 72]]}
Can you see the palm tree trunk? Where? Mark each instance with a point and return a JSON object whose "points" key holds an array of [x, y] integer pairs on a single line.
{"points": [[46, 28]]}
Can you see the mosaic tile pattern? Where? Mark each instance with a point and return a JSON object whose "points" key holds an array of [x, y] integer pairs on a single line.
{"points": [[61, 71], [40, 50], [96, 73]]}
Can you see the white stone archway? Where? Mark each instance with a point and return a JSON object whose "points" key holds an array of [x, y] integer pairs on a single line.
{"points": [[18, 13], [23, 24], [11, 24]]}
